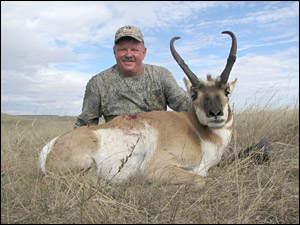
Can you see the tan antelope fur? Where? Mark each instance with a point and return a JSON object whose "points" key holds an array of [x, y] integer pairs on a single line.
{"points": [[163, 146]]}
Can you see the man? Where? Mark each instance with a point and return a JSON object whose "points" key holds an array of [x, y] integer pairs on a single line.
{"points": [[130, 87]]}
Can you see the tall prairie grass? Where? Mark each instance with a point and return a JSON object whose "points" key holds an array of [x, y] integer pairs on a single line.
{"points": [[239, 192]]}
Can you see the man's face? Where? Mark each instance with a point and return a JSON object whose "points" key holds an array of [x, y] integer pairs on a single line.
{"points": [[129, 54]]}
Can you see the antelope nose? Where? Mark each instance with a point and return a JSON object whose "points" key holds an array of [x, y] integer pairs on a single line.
{"points": [[215, 113]]}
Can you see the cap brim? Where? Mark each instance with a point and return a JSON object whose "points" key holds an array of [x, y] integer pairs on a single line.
{"points": [[138, 39]]}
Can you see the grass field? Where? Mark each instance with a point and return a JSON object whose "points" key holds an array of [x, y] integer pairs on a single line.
{"points": [[240, 192]]}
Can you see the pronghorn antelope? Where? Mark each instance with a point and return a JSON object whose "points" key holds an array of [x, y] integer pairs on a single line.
{"points": [[164, 146]]}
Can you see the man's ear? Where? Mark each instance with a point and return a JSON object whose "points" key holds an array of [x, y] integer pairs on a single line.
{"points": [[114, 50], [144, 52]]}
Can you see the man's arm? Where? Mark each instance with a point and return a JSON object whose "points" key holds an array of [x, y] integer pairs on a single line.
{"points": [[91, 105], [177, 98]]}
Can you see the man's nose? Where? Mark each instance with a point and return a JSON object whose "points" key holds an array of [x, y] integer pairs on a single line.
{"points": [[128, 53]]}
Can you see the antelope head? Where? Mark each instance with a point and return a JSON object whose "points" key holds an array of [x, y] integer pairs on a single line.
{"points": [[210, 97]]}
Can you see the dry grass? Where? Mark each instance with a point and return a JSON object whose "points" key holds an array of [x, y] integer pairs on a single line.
{"points": [[241, 192]]}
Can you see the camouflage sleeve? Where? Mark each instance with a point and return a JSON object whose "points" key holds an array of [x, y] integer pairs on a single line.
{"points": [[177, 98], [91, 105]]}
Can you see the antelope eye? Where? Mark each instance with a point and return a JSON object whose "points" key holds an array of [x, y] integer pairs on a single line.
{"points": [[194, 96], [227, 92]]}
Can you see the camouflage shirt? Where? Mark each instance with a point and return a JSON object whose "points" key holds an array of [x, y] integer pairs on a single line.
{"points": [[110, 94]]}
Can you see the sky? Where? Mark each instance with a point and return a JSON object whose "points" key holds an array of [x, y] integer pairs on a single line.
{"points": [[50, 50]]}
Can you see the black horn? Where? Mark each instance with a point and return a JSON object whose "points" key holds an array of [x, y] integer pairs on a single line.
{"points": [[231, 58], [192, 77]]}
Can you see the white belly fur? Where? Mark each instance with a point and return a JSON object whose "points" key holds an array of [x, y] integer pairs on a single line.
{"points": [[116, 145], [212, 153]]}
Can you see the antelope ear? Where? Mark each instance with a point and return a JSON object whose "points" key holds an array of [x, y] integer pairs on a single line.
{"points": [[188, 85], [232, 85]]}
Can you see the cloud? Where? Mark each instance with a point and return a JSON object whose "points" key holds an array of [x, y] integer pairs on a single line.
{"points": [[46, 33], [273, 13], [268, 76], [47, 92], [269, 15], [261, 77], [45, 44]]}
